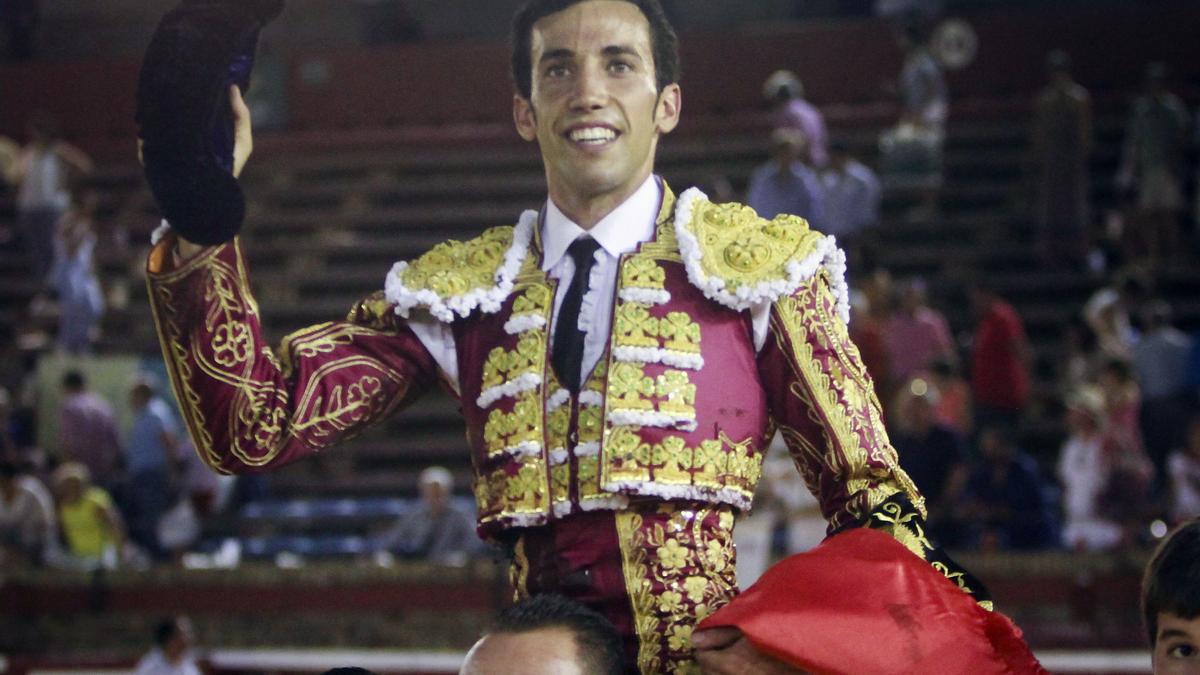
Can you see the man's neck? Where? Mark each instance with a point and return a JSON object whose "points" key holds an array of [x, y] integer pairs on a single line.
{"points": [[587, 211]]}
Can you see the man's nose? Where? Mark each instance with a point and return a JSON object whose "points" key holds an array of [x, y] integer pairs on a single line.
{"points": [[591, 89]]}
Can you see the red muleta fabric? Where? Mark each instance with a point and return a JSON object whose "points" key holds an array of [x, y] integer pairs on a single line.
{"points": [[862, 603]]}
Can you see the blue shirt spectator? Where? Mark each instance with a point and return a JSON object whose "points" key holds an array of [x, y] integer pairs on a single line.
{"points": [[1008, 497], [151, 438], [785, 185], [852, 195]]}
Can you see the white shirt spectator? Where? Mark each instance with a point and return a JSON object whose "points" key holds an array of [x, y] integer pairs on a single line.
{"points": [[1183, 471]]}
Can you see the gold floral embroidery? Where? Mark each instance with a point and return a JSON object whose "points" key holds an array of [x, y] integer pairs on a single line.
{"points": [[679, 567], [534, 300], [676, 387], [642, 272], [508, 431], [854, 434], [629, 388], [504, 365], [714, 467], [743, 249], [634, 326], [680, 333], [455, 268]]}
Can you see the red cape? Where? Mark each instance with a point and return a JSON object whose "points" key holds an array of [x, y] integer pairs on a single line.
{"points": [[863, 603]]}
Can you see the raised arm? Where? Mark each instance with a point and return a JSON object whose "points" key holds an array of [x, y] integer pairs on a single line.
{"points": [[248, 406]]}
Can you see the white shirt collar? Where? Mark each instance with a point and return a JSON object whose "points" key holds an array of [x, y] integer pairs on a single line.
{"points": [[619, 232]]}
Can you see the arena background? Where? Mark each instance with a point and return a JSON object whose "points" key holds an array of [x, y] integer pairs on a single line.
{"points": [[380, 133]]}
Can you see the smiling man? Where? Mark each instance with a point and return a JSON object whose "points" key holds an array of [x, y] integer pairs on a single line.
{"points": [[622, 356]]}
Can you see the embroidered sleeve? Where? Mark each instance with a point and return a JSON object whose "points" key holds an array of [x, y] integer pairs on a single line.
{"points": [[248, 406], [824, 403]]}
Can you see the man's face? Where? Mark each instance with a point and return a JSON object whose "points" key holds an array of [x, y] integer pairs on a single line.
{"points": [[546, 651], [1177, 651], [595, 109]]}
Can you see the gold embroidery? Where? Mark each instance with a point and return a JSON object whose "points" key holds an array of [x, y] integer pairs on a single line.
{"points": [[503, 365], [642, 272], [854, 434], [679, 567], [676, 387], [744, 249], [634, 327], [455, 268], [680, 333], [507, 431], [534, 300], [906, 528], [713, 466], [629, 388]]}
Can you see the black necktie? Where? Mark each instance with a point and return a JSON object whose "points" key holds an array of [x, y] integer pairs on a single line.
{"points": [[567, 356]]}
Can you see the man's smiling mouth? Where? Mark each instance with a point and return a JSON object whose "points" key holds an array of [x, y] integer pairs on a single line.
{"points": [[592, 135]]}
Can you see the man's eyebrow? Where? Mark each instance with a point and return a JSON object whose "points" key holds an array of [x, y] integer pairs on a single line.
{"points": [[554, 54], [621, 50], [1172, 633]]}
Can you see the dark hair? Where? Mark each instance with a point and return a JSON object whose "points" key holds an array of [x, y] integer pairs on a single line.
{"points": [[73, 380], [663, 41], [165, 630], [8, 469], [598, 641], [348, 670], [1172, 581]]}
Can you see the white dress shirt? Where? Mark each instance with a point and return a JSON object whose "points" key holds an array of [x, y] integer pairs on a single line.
{"points": [[620, 232]]}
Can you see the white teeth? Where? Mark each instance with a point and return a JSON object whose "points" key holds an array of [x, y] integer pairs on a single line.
{"points": [[593, 135]]}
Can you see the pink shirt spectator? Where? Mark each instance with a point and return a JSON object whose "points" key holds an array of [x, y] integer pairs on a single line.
{"points": [[87, 433], [915, 340], [800, 114]]}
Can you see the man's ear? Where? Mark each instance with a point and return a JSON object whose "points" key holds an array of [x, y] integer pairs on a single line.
{"points": [[524, 118], [670, 104]]}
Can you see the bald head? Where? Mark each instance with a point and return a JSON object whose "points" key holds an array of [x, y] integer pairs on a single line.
{"points": [[547, 635], [545, 651]]}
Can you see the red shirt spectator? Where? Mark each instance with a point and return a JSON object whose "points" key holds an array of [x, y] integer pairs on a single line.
{"points": [[999, 378], [87, 431]]}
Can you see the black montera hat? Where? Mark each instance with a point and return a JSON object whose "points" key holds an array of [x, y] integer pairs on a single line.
{"points": [[183, 115]]}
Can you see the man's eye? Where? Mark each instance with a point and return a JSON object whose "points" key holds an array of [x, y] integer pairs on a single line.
{"points": [[620, 67], [556, 71], [1184, 651]]}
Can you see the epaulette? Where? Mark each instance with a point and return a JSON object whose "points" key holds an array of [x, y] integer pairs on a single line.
{"points": [[455, 278], [740, 259]]}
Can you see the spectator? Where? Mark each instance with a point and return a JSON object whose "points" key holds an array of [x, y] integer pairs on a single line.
{"points": [[1062, 142], [1107, 312], [27, 525], [1171, 601], [87, 431], [1084, 473], [172, 651], [933, 456], [1153, 162], [785, 185], [1160, 362], [1007, 496], [73, 277], [43, 175], [152, 458], [916, 334], [1183, 475], [953, 409], [784, 91], [852, 197], [999, 360], [547, 635], [912, 150], [437, 530], [90, 523], [1132, 471]]}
